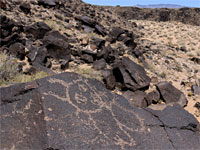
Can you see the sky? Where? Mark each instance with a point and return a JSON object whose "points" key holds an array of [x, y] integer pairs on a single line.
{"points": [[189, 3]]}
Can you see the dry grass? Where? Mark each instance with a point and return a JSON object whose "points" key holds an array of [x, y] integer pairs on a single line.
{"points": [[9, 72]]}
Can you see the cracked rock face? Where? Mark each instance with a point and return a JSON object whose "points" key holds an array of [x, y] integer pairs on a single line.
{"points": [[68, 111]]}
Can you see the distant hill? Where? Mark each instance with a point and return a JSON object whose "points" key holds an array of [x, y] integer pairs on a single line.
{"points": [[160, 6]]}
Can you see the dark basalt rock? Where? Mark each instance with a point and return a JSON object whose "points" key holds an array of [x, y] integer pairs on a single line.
{"points": [[129, 42], [170, 94], [9, 40], [197, 105], [25, 7], [30, 70], [152, 97], [108, 54], [136, 98], [38, 29], [196, 60], [98, 43], [100, 29], [196, 89], [7, 23], [17, 50], [47, 3], [68, 111], [64, 65], [99, 64], [115, 33], [87, 58], [87, 20], [92, 23], [109, 79], [131, 75], [3, 4], [57, 45]]}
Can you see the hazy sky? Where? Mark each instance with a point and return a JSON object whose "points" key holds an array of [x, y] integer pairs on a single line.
{"points": [[190, 3]]}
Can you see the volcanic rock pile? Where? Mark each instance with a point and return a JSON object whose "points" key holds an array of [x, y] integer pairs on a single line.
{"points": [[68, 111]]}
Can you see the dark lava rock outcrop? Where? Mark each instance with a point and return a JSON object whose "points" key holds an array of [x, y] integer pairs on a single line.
{"points": [[68, 111], [184, 15], [170, 94], [131, 75]]}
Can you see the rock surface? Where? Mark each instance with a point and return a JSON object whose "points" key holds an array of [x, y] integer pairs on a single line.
{"points": [[131, 75], [68, 111], [170, 94]]}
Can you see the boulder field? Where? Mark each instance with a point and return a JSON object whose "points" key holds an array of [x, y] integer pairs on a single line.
{"points": [[125, 108]]}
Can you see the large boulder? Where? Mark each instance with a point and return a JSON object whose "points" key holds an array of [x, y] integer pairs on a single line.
{"points": [[25, 7], [136, 98], [47, 3], [38, 29], [92, 23], [67, 111], [17, 50], [115, 33], [131, 75], [57, 45], [170, 94]]}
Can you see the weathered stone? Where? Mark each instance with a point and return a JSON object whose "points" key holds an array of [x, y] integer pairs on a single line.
{"points": [[131, 75], [88, 29], [87, 20], [108, 53], [196, 60], [153, 97], [115, 33], [17, 50], [98, 43], [92, 23], [3, 4], [25, 7], [38, 55], [170, 94], [87, 58], [68, 111], [32, 53], [64, 65], [9, 40], [196, 89], [109, 79], [129, 42], [100, 29], [57, 45], [99, 64], [38, 29], [10, 94], [47, 3], [197, 105], [30, 70], [136, 98]]}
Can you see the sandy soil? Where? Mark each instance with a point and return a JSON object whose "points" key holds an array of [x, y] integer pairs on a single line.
{"points": [[167, 60]]}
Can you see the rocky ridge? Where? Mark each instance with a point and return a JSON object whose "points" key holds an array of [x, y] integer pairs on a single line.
{"points": [[60, 36]]}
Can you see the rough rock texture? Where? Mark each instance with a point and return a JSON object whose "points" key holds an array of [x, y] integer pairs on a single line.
{"points": [[68, 111], [170, 94], [131, 75]]}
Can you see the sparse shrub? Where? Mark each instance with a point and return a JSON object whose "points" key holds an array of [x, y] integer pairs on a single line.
{"points": [[160, 101], [56, 25], [89, 73], [9, 73], [163, 75], [190, 94], [179, 68]]}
